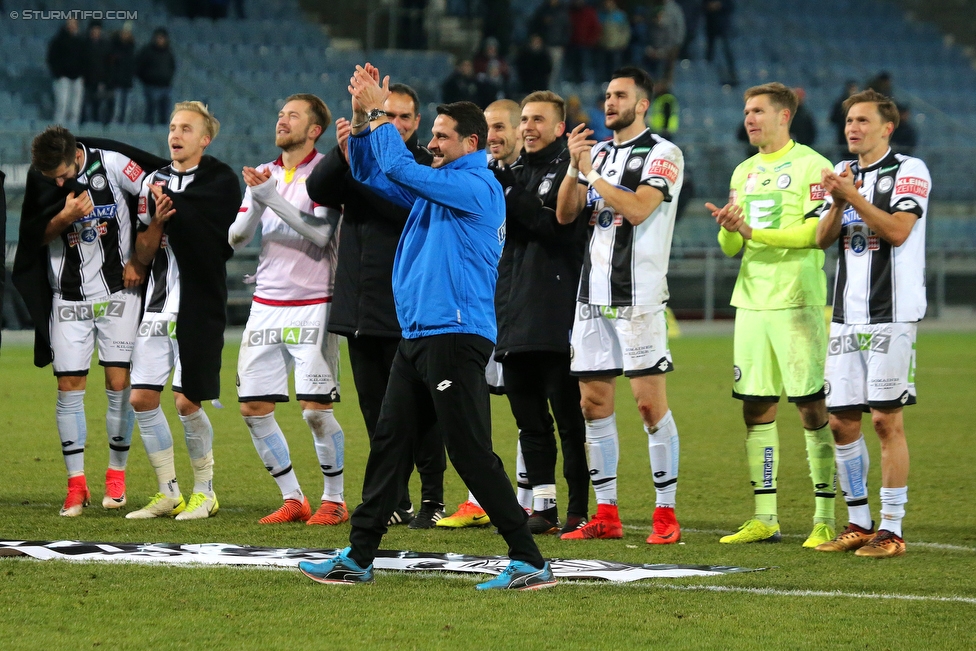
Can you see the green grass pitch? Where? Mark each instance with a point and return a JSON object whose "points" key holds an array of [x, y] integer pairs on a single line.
{"points": [[924, 600]]}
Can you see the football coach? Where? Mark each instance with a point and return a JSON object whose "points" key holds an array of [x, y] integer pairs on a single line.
{"points": [[444, 278]]}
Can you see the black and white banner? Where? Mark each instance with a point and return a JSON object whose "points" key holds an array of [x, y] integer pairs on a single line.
{"points": [[225, 554]]}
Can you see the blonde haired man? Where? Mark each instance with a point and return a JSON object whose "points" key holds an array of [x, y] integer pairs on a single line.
{"points": [[780, 337], [185, 210]]}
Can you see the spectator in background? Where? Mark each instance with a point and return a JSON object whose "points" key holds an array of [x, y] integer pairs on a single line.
{"points": [[492, 85], [692, 10], [803, 128], [489, 55], [121, 70], [98, 104], [881, 83], [666, 33], [905, 137], [838, 116], [496, 23], [718, 27], [662, 117], [596, 120], [614, 36], [65, 61], [155, 67], [412, 35], [575, 114], [534, 66], [551, 22], [461, 85], [583, 42]]}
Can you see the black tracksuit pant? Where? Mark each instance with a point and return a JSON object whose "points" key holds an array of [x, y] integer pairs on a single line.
{"points": [[371, 359], [438, 380], [533, 382]]}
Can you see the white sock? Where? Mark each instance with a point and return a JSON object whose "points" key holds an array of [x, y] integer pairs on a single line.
{"points": [[119, 421], [272, 447], [893, 508], [330, 449], [544, 497], [524, 488], [601, 443], [72, 429], [853, 463], [199, 443], [662, 447], [472, 499], [158, 442]]}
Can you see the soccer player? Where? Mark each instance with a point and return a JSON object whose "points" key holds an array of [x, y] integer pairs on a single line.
{"points": [[290, 311], [444, 284], [185, 209], [875, 212], [362, 305], [542, 258], [780, 334], [86, 240], [627, 189], [504, 146]]}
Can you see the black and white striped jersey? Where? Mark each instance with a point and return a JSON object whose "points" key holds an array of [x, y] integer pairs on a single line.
{"points": [[87, 260], [626, 264], [163, 293], [877, 282]]}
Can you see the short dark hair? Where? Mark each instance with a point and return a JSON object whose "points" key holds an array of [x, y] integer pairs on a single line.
{"points": [[403, 89], [52, 147], [470, 120], [642, 80], [317, 110]]}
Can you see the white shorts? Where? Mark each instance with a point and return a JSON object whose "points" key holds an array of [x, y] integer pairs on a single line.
{"points": [[495, 376], [615, 340], [279, 339], [156, 353], [75, 326], [870, 366]]}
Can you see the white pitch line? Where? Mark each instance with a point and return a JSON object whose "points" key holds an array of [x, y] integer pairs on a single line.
{"points": [[812, 593], [723, 532]]}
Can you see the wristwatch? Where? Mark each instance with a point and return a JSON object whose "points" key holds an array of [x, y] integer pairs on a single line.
{"points": [[374, 114]]}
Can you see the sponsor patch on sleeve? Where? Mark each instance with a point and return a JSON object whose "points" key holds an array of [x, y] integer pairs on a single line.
{"points": [[817, 192], [912, 185], [665, 168], [132, 171]]}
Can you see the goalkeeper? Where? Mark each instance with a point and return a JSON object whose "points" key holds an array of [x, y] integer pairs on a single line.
{"points": [[780, 333]]}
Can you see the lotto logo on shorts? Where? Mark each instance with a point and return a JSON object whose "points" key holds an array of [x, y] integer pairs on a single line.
{"points": [[272, 336]]}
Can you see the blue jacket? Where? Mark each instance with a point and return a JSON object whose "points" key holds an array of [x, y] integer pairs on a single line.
{"points": [[446, 262]]}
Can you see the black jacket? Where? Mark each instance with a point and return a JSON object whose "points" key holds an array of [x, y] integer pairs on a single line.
{"points": [[155, 66], [66, 55], [121, 63], [362, 299], [539, 270]]}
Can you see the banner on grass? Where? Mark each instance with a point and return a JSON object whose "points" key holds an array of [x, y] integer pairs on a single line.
{"points": [[226, 554]]}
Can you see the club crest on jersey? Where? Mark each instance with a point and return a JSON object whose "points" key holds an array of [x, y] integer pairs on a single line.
{"points": [[635, 163], [545, 186], [783, 181], [885, 184], [98, 182], [913, 185], [88, 234]]}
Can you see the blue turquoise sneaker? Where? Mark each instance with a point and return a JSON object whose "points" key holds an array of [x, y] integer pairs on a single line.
{"points": [[340, 569], [519, 575]]}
